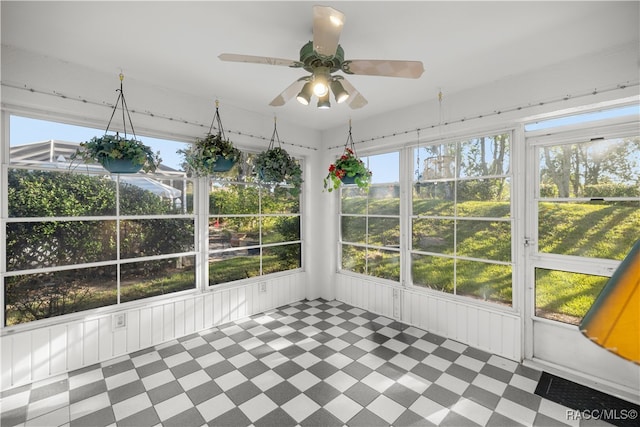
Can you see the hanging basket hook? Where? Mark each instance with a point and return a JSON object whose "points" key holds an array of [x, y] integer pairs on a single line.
{"points": [[123, 104], [350, 145], [274, 136], [216, 119]]}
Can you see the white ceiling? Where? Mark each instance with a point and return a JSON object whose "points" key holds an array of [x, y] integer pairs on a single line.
{"points": [[175, 45]]}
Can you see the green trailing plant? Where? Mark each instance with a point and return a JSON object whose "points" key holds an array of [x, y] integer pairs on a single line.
{"points": [[101, 149], [276, 166], [347, 166], [200, 159], [207, 155]]}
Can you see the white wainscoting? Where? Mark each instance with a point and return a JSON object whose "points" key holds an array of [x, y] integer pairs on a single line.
{"points": [[487, 329], [45, 352]]}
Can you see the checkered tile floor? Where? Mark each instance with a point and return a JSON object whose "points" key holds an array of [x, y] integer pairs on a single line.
{"points": [[312, 363]]}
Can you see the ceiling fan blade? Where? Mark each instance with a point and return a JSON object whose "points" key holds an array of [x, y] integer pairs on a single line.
{"points": [[266, 60], [291, 91], [327, 26], [381, 67], [355, 100]]}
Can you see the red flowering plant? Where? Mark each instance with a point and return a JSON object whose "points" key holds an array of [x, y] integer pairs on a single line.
{"points": [[348, 169]]}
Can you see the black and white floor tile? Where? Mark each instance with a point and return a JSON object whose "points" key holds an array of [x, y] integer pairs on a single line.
{"points": [[312, 363]]}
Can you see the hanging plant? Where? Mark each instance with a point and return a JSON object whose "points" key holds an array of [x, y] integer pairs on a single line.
{"points": [[211, 154], [118, 154], [348, 169], [275, 166]]}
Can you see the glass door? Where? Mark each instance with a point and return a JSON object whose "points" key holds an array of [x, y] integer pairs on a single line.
{"points": [[583, 208]]}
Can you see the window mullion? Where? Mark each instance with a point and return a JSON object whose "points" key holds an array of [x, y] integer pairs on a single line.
{"points": [[202, 231], [118, 237]]}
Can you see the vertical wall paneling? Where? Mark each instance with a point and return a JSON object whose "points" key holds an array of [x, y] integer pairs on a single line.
{"points": [[339, 293], [168, 321], [58, 349], [179, 319], [208, 310], [255, 298], [496, 333], [356, 294], [376, 306], [452, 312], [232, 304], [40, 353], [413, 314], [198, 313], [484, 336], [279, 292], [91, 342], [6, 347], [472, 327], [217, 308], [242, 302], [461, 313], [425, 314], [119, 342], [105, 338], [157, 324], [74, 346], [432, 315], [145, 327], [189, 316], [271, 297], [266, 299], [441, 317], [486, 328], [260, 298], [133, 331], [511, 329], [22, 359]]}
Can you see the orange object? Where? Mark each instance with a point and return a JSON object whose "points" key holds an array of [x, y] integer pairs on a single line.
{"points": [[613, 321]]}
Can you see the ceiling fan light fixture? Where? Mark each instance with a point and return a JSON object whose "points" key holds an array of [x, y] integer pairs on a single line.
{"points": [[336, 20], [320, 88], [339, 92], [323, 102], [321, 81], [304, 97]]}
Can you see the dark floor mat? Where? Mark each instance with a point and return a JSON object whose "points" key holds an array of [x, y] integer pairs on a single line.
{"points": [[589, 403]]}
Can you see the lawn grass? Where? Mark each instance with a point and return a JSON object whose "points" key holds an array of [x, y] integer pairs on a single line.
{"points": [[600, 230]]}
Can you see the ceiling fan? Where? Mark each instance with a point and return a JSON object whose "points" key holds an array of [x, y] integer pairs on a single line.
{"points": [[322, 57]]}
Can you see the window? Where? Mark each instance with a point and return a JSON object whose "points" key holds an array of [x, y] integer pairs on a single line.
{"points": [[78, 239], [630, 111], [587, 204], [253, 229], [370, 221], [461, 218]]}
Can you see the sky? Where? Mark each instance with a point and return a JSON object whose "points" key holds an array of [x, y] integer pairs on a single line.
{"points": [[584, 117], [385, 167], [25, 130]]}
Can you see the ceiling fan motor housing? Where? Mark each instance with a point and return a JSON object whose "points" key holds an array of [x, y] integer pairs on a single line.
{"points": [[312, 59]]}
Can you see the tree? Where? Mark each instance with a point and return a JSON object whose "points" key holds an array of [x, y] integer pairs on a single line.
{"points": [[35, 244], [572, 167]]}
